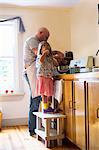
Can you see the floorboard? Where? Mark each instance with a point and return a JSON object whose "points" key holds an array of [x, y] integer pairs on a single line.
{"points": [[17, 138]]}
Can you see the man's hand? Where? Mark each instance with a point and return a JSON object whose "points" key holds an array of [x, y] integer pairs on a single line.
{"points": [[35, 51]]}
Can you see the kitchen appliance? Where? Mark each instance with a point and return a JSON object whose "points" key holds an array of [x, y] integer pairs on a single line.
{"points": [[82, 65]]}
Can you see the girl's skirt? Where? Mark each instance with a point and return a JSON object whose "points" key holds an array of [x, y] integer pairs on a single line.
{"points": [[44, 86]]}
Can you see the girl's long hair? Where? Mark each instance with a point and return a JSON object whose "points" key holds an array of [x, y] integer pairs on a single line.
{"points": [[47, 45]]}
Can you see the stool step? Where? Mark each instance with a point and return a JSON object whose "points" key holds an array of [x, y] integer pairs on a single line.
{"points": [[52, 116], [52, 135]]}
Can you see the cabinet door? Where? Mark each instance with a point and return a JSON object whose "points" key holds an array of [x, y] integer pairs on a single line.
{"points": [[68, 110], [79, 106], [93, 112]]}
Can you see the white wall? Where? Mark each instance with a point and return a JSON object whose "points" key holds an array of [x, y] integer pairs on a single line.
{"points": [[85, 28], [58, 23]]}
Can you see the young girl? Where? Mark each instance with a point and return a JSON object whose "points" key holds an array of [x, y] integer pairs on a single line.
{"points": [[45, 65]]}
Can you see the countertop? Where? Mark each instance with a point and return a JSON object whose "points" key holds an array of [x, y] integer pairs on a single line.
{"points": [[89, 75]]}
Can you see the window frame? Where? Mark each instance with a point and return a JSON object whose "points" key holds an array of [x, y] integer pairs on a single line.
{"points": [[19, 90]]}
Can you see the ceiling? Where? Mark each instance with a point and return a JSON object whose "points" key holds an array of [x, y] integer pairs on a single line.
{"points": [[41, 3]]}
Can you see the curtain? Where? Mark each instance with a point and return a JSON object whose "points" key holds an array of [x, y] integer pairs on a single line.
{"points": [[21, 25]]}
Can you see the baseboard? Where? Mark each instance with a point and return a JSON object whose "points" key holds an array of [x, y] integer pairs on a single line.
{"points": [[14, 122]]}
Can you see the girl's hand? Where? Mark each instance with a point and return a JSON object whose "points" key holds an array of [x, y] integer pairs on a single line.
{"points": [[46, 52], [43, 56]]}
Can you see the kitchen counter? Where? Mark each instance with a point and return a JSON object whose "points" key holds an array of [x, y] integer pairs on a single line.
{"points": [[77, 76]]}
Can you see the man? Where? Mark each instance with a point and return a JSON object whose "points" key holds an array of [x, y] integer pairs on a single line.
{"points": [[30, 53]]}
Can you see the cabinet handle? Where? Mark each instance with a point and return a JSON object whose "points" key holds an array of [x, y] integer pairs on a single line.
{"points": [[70, 104], [75, 105], [97, 112]]}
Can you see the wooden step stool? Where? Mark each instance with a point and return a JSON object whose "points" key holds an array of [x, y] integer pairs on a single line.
{"points": [[48, 133]]}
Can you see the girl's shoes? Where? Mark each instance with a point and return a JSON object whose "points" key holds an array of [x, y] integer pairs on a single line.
{"points": [[49, 110]]}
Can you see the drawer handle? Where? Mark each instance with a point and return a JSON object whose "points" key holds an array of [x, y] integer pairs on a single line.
{"points": [[97, 112], [74, 105]]}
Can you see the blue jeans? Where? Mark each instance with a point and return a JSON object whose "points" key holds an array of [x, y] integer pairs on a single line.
{"points": [[34, 105]]}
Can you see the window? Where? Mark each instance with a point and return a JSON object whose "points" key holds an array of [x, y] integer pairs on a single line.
{"points": [[9, 71]]}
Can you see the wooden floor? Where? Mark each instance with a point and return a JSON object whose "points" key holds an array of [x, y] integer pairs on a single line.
{"points": [[17, 138]]}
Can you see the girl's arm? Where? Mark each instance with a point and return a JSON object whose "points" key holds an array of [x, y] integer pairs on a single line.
{"points": [[43, 56]]}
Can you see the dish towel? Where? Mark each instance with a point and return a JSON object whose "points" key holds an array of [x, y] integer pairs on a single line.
{"points": [[58, 85], [31, 72]]}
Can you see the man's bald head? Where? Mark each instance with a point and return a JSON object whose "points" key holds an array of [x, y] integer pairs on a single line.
{"points": [[42, 34]]}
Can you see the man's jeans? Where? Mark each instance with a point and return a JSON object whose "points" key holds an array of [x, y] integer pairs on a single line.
{"points": [[34, 105]]}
